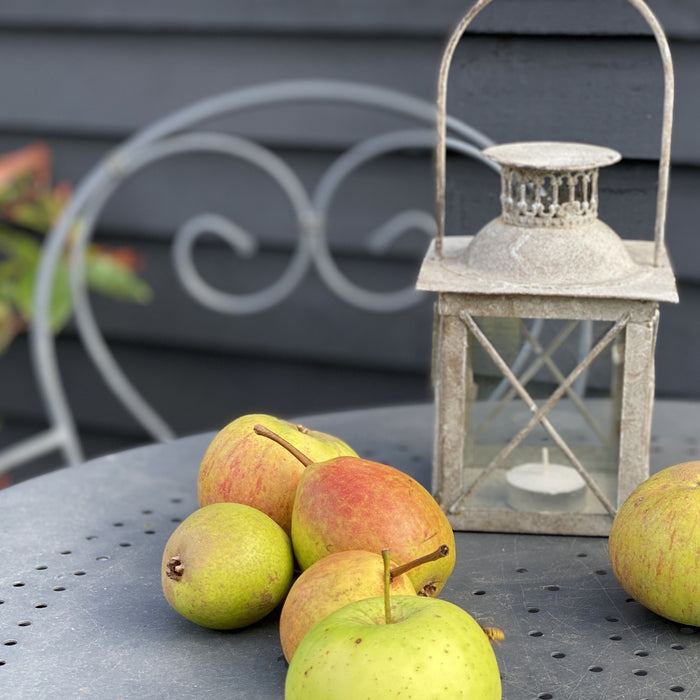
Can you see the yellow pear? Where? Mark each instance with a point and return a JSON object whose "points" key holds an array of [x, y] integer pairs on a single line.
{"points": [[227, 565]]}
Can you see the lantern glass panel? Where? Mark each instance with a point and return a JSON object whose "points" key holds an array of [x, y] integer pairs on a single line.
{"points": [[537, 397]]}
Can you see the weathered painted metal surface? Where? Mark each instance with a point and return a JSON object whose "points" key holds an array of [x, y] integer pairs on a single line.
{"points": [[549, 258]]}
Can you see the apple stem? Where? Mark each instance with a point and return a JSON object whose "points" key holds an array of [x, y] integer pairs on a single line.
{"points": [[386, 556], [266, 432], [494, 634], [442, 551]]}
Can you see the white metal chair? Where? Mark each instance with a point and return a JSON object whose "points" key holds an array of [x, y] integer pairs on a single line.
{"points": [[177, 134]]}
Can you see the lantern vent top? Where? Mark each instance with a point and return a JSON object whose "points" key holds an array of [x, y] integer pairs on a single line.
{"points": [[549, 183]]}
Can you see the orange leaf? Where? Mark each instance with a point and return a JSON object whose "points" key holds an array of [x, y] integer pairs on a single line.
{"points": [[34, 159]]}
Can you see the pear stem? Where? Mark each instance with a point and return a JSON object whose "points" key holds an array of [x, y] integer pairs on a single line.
{"points": [[442, 551], [266, 432], [386, 556]]}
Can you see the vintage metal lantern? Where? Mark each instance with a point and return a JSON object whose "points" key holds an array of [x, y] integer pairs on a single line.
{"points": [[545, 328]]}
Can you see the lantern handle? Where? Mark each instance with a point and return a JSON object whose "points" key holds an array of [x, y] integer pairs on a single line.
{"points": [[666, 126]]}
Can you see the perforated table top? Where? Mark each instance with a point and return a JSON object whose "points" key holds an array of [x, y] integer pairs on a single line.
{"points": [[82, 613]]}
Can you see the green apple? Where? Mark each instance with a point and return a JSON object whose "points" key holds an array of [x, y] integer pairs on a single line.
{"points": [[352, 503], [240, 466], [329, 584], [226, 566], [430, 649], [654, 543]]}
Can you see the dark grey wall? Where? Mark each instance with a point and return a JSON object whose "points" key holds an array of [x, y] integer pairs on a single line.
{"points": [[83, 75]]}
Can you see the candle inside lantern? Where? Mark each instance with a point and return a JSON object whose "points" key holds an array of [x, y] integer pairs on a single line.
{"points": [[541, 486]]}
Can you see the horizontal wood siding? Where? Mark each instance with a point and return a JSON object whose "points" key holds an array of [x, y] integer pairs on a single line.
{"points": [[84, 75], [680, 17], [604, 90]]}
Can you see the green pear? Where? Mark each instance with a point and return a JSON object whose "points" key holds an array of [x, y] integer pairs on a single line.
{"points": [[227, 565], [394, 647], [352, 503], [240, 466]]}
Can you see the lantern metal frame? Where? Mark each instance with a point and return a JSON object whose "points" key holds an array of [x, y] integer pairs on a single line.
{"points": [[629, 306]]}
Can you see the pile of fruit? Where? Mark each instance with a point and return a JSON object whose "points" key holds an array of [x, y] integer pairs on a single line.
{"points": [[373, 548]]}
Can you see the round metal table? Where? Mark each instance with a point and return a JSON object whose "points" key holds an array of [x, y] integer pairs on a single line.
{"points": [[82, 613]]}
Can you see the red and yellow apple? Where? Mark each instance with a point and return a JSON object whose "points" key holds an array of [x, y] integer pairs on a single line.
{"points": [[654, 543]]}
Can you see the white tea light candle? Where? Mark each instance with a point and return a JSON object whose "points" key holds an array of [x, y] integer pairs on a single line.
{"points": [[543, 486]]}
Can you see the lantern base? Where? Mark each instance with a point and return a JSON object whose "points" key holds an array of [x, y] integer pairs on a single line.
{"points": [[479, 489], [545, 523], [497, 493]]}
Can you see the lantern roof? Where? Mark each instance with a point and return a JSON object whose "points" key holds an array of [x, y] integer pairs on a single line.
{"points": [[548, 240], [650, 278]]}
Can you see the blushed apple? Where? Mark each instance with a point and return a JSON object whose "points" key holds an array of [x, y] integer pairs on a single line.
{"points": [[654, 543], [240, 466], [333, 582]]}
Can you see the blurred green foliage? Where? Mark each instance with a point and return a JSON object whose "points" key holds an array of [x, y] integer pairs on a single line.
{"points": [[29, 204]]}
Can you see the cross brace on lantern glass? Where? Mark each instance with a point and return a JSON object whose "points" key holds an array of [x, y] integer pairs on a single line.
{"points": [[513, 396]]}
